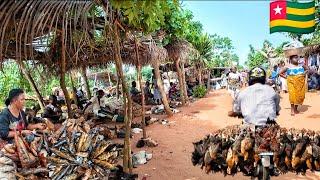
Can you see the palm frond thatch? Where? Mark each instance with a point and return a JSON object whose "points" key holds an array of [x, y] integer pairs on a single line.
{"points": [[312, 49], [179, 50], [33, 29]]}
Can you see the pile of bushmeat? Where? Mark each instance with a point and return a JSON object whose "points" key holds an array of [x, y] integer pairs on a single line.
{"points": [[236, 149], [77, 150]]}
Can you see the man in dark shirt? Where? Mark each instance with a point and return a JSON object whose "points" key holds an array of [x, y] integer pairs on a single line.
{"points": [[53, 111], [135, 93], [13, 118]]}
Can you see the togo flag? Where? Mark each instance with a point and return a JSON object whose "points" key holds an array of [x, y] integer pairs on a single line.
{"points": [[295, 17]]}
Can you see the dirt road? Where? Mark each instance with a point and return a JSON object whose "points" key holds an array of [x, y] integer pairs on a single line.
{"points": [[172, 158]]}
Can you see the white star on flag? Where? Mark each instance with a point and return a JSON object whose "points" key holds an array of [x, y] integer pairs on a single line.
{"points": [[277, 10]]}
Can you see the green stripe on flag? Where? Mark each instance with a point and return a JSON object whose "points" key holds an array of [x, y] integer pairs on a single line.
{"points": [[300, 5], [300, 18], [292, 29]]}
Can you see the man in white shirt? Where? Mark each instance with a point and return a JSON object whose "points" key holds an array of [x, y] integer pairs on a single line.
{"points": [[100, 109], [258, 103]]}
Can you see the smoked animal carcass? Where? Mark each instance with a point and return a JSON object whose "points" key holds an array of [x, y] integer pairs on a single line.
{"points": [[295, 150]]}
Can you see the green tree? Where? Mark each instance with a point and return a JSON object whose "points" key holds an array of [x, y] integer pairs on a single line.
{"points": [[255, 58], [144, 16], [223, 51]]}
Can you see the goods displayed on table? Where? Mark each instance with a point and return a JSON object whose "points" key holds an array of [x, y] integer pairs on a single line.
{"points": [[237, 148]]}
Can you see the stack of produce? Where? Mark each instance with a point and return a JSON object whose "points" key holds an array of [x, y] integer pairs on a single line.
{"points": [[237, 148]]}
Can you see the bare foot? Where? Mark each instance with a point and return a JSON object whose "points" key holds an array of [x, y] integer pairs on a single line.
{"points": [[292, 113], [296, 111]]}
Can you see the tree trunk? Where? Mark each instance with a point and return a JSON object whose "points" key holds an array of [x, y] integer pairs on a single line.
{"points": [[62, 74], [209, 82], [118, 84], [142, 91], [168, 77], [86, 81], [185, 91], [28, 76], [109, 79], [180, 78], [161, 89], [74, 90], [200, 76], [127, 163]]}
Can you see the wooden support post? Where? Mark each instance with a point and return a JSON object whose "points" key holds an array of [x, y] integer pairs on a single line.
{"points": [[74, 90], [161, 89], [62, 74], [185, 91], [127, 161], [142, 90], [28, 76], [180, 78], [86, 81]]}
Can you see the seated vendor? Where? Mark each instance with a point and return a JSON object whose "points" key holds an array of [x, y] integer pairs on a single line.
{"points": [[52, 111], [147, 93], [13, 117], [135, 93], [313, 80], [173, 92], [100, 108]]}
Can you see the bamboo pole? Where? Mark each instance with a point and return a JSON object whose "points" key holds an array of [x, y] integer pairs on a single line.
{"points": [[28, 76], [144, 136]]}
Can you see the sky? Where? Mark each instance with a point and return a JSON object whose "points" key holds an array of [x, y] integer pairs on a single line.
{"points": [[244, 22]]}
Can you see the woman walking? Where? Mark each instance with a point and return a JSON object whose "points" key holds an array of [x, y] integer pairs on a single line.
{"points": [[295, 75]]}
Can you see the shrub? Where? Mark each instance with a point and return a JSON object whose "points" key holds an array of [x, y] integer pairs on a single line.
{"points": [[199, 91]]}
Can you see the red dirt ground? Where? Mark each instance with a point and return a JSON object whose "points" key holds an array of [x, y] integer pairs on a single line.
{"points": [[172, 158]]}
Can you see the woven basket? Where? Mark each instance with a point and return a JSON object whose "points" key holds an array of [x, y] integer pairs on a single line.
{"points": [[293, 51]]}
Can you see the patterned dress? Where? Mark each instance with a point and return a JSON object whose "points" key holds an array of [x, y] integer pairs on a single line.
{"points": [[296, 84]]}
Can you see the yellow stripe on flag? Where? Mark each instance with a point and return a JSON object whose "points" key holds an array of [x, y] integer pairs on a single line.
{"points": [[301, 12], [296, 24]]}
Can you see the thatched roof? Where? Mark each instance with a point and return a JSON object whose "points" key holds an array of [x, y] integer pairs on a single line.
{"points": [[149, 51], [313, 49], [179, 50], [37, 30]]}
